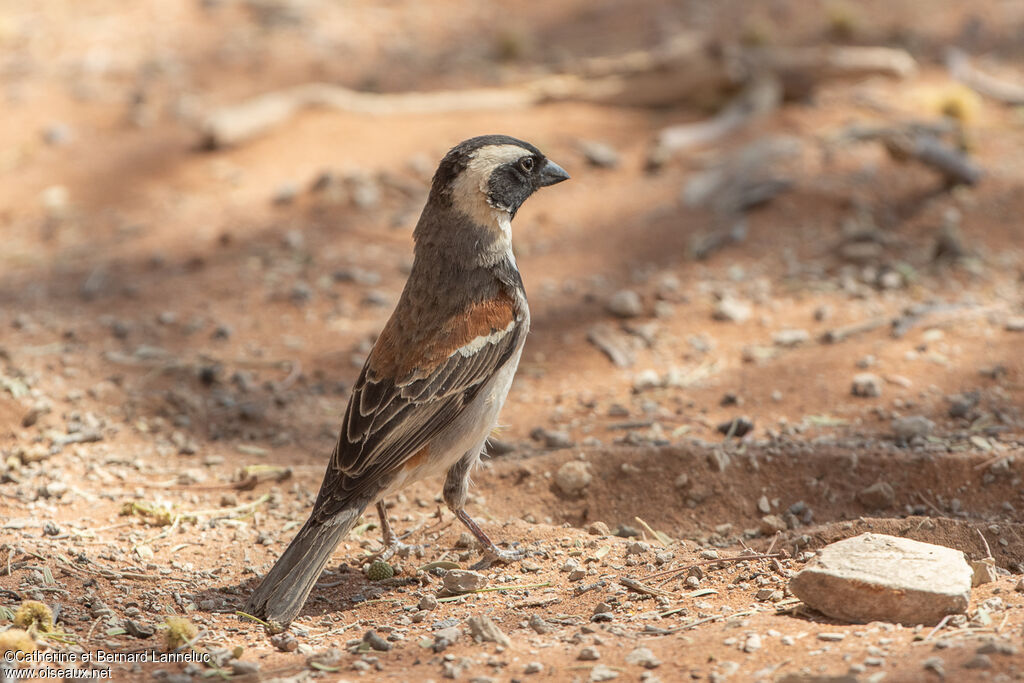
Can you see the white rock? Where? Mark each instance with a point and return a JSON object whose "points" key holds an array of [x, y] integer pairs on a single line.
{"points": [[644, 657], [911, 426], [791, 337], [463, 581], [484, 629], [732, 310], [873, 577]]}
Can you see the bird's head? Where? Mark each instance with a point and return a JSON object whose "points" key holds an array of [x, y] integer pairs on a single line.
{"points": [[488, 178]]}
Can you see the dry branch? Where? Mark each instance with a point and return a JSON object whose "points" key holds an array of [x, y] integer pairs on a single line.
{"points": [[682, 69], [986, 84]]}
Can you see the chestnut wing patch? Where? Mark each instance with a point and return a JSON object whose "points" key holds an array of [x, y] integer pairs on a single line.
{"points": [[402, 400]]}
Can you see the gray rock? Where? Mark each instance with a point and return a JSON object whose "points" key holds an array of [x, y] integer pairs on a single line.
{"points": [[463, 581], [625, 303], [241, 667], [533, 668], [427, 603], [877, 496], [374, 640], [732, 310], [910, 427], [873, 577], [599, 154], [572, 477], [445, 637], [605, 673], [484, 629], [984, 571], [539, 626], [552, 438], [867, 385], [643, 656], [588, 654]]}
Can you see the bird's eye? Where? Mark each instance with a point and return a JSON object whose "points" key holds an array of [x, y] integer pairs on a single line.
{"points": [[526, 163]]}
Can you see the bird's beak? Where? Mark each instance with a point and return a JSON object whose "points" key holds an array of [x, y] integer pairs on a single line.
{"points": [[552, 173]]}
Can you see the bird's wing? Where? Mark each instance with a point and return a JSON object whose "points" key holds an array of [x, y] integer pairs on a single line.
{"points": [[407, 393]]}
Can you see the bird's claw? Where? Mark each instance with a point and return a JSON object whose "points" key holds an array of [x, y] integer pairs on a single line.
{"points": [[497, 556]]}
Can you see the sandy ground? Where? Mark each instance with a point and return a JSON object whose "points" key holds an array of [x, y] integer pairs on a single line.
{"points": [[170, 317]]}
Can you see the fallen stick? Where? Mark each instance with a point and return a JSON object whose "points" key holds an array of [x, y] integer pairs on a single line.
{"points": [[840, 334], [990, 86], [954, 165], [675, 71]]}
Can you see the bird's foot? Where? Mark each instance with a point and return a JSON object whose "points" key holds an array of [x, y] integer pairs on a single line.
{"points": [[399, 549], [495, 555]]}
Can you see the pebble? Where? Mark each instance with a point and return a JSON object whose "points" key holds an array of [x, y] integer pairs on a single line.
{"points": [[790, 338], [960, 405], [427, 603], [910, 427], [979, 662], [637, 548], [603, 673], [732, 310], [866, 385], [539, 626], [372, 639], [445, 637], [598, 529], [483, 628], [533, 668], [599, 154], [552, 438], [752, 643], [589, 654], [285, 642], [240, 667], [573, 477], [463, 581], [831, 637], [625, 303], [644, 657], [1015, 324], [878, 496], [646, 379]]}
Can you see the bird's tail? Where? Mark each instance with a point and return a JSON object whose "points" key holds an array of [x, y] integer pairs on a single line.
{"points": [[286, 586]]}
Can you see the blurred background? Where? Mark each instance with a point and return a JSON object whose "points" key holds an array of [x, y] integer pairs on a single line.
{"points": [[793, 227]]}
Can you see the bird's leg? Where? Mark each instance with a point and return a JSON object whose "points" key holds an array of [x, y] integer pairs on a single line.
{"points": [[492, 553], [456, 485], [392, 544]]}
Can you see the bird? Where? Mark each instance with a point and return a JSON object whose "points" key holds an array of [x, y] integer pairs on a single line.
{"points": [[431, 389]]}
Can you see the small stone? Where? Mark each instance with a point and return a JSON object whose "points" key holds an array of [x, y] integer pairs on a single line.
{"points": [[573, 477], [831, 637], [1015, 324], [737, 427], [483, 628], [285, 642], [1020, 586], [878, 496], [539, 626], [763, 505], [625, 303], [240, 667], [910, 427], [285, 193], [867, 385], [646, 379], [984, 572], [960, 405], [979, 662], [752, 643], [637, 548], [598, 529], [463, 581], [138, 629], [427, 603], [376, 642], [533, 668], [732, 310], [790, 338], [603, 673], [935, 665], [644, 657], [874, 577], [445, 637], [588, 654], [599, 154], [552, 438]]}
